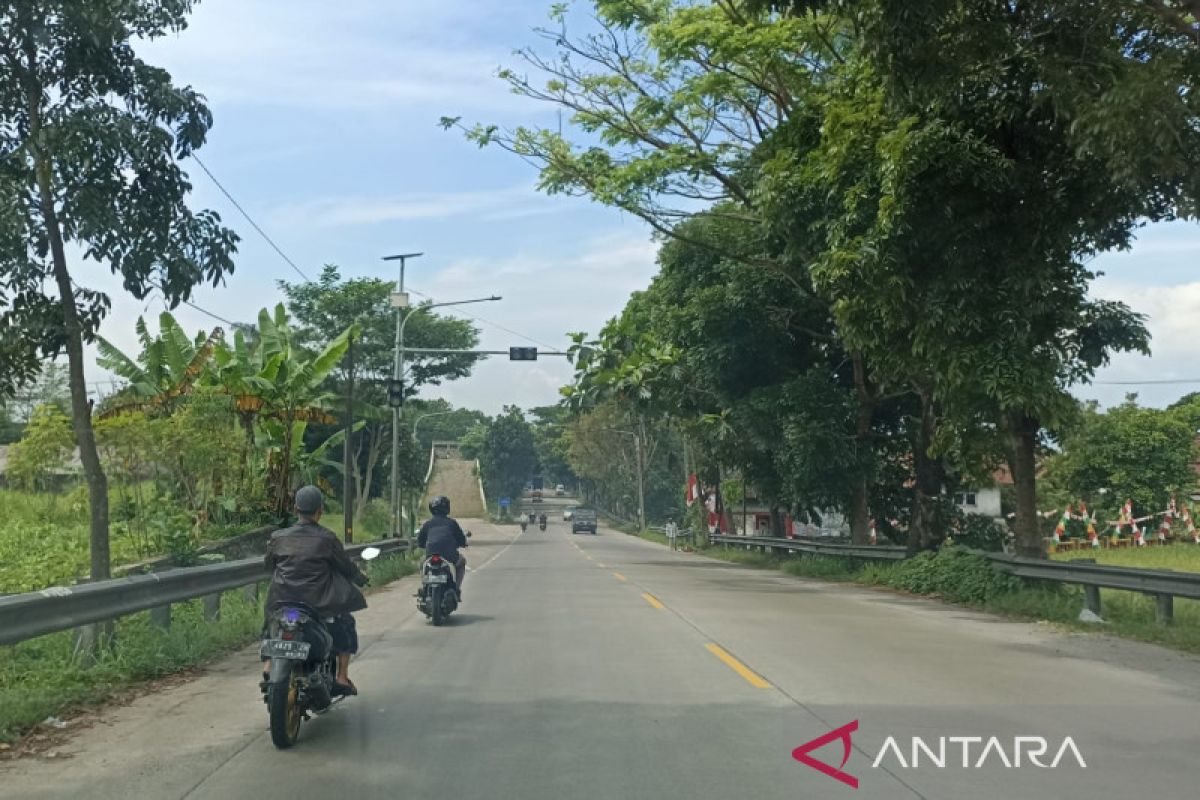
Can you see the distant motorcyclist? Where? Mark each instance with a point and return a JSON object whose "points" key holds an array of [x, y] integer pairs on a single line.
{"points": [[524, 524], [442, 536], [542, 521], [310, 566]]}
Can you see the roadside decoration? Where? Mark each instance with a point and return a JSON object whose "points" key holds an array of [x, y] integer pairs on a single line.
{"points": [[1191, 526], [1139, 537], [693, 489], [1060, 530], [874, 536]]}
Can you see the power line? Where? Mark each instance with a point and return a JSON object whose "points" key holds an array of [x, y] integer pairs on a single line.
{"points": [[489, 322], [249, 219]]}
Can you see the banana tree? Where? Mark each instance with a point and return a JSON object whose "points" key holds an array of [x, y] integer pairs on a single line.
{"points": [[167, 367], [278, 384]]}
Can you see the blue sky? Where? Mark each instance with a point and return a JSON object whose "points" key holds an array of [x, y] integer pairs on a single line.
{"points": [[326, 132]]}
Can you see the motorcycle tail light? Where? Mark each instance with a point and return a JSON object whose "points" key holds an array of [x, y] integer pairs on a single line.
{"points": [[287, 635], [435, 560]]}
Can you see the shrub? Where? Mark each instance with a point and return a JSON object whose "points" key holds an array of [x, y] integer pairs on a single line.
{"points": [[980, 532], [954, 574]]}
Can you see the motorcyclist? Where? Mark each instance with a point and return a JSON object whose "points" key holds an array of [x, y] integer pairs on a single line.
{"points": [[310, 566], [542, 520], [441, 535], [524, 524]]}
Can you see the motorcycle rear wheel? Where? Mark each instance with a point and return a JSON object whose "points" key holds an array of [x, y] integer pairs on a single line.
{"points": [[436, 614], [283, 704]]}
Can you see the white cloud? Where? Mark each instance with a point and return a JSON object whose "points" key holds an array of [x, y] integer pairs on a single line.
{"points": [[352, 55], [487, 205], [1173, 316]]}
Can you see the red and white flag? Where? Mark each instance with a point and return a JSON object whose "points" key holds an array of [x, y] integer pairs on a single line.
{"points": [[693, 489]]}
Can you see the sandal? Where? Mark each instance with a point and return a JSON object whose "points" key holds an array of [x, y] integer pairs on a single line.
{"points": [[343, 690]]}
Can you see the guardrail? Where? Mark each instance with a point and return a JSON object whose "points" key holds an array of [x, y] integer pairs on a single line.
{"points": [[59, 608], [872, 552], [1163, 585]]}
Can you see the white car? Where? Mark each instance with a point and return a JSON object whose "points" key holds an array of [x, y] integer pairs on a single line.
{"points": [[568, 512], [560, 490]]}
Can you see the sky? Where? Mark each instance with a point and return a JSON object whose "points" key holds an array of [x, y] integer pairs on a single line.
{"points": [[326, 133]]}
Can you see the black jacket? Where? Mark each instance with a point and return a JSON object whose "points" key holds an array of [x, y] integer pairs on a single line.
{"points": [[309, 565]]}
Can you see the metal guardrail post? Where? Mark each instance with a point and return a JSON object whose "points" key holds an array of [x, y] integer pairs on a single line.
{"points": [[160, 617], [1164, 608], [212, 607], [1091, 599], [250, 592]]}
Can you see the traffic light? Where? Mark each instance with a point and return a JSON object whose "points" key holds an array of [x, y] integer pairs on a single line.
{"points": [[395, 393], [522, 354]]}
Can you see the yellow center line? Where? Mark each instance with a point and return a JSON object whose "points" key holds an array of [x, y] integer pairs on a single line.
{"points": [[620, 577], [750, 675], [652, 600]]}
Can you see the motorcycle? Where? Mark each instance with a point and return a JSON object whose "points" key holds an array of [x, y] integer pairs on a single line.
{"points": [[524, 525], [438, 596], [542, 523], [303, 667], [532, 517]]}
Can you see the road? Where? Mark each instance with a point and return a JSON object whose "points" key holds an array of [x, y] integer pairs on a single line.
{"points": [[608, 667]]}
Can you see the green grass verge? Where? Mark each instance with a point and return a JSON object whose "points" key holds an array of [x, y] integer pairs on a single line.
{"points": [[44, 677], [1181, 556]]}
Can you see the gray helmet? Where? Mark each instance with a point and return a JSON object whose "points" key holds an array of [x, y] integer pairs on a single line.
{"points": [[440, 506], [309, 500]]}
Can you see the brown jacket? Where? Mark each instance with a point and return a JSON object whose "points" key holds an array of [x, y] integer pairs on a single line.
{"points": [[309, 565]]}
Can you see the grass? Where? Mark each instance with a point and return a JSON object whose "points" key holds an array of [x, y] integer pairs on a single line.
{"points": [[44, 677], [973, 584], [1181, 556]]}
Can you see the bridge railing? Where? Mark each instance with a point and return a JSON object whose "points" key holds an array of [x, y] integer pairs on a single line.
{"points": [[59, 608], [1162, 585]]}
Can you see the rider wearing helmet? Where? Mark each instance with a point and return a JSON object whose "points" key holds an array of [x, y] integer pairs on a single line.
{"points": [[442, 536]]}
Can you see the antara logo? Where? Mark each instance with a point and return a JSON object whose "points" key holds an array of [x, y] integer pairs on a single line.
{"points": [[973, 752]]}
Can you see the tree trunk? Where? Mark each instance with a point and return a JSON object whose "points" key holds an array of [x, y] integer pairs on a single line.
{"points": [[1022, 431], [923, 534], [81, 410], [860, 499], [367, 478]]}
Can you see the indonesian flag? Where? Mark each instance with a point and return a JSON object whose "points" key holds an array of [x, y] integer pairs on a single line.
{"points": [[1092, 536], [1191, 526], [693, 489], [874, 538], [1060, 529], [1165, 527]]}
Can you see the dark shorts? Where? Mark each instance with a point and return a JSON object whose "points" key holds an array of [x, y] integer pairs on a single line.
{"points": [[344, 633]]}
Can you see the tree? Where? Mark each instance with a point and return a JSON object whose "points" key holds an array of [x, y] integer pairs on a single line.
{"points": [[1129, 453], [45, 447], [328, 305], [507, 457], [165, 370], [276, 386], [91, 135]]}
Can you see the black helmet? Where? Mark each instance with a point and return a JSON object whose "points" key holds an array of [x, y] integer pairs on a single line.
{"points": [[440, 506]]}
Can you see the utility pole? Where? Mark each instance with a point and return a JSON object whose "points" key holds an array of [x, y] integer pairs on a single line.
{"points": [[347, 479], [637, 443], [399, 302]]}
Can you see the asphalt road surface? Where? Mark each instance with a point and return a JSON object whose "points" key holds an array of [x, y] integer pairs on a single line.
{"points": [[607, 667]]}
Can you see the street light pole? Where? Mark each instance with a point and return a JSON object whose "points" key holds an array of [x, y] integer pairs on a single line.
{"points": [[399, 301], [641, 481], [398, 374]]}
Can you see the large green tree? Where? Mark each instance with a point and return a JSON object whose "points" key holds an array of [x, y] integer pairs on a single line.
{"points": [[1146, 455], [323, 308], [92, 136], [507, 456]]}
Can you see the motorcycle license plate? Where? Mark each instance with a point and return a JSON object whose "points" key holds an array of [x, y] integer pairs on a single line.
{"points": [[283, 648], [435, 578]]}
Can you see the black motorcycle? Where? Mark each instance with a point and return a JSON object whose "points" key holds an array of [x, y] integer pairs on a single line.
{"points": [[438, 596], [542, 523], [303, 666]]}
